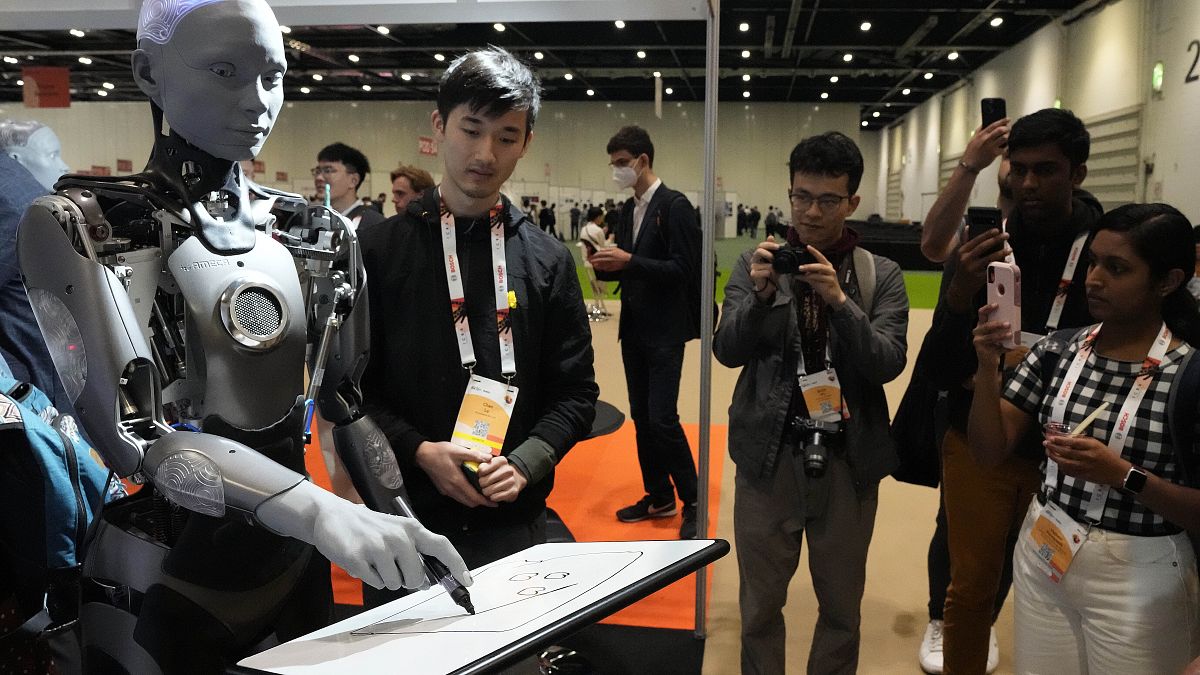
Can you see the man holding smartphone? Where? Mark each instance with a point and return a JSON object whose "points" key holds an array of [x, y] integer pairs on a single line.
{"points": [[1046, 234]]}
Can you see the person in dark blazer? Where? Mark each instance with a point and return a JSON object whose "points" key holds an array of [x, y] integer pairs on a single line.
{"points": [[657, 261]]}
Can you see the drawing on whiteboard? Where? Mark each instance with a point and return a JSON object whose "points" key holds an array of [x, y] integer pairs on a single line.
{"points": [[508, 595]]}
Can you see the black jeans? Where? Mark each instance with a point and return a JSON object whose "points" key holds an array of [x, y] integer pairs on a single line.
{"points": [[652, 377]]}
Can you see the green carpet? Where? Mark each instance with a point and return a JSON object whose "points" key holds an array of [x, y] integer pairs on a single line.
{"points": [[922, 286]]}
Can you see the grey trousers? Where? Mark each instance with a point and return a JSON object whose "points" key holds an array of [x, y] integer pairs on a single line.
{"points": [[770, 516]]}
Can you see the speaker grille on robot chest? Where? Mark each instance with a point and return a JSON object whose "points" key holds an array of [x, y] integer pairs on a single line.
{"points": [[258, 312]]}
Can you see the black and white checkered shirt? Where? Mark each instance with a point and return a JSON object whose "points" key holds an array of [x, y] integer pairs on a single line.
{"points": [[1104, 379]]}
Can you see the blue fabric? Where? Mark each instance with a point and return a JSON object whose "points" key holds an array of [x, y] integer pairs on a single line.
{"points": [[21, 343]]}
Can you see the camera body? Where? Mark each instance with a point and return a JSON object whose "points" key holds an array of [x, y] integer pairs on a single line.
{"points": [[809, 439], [788, 259]]}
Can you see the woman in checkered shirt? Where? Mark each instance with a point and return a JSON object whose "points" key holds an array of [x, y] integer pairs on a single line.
{"points": [[1104, 574]]}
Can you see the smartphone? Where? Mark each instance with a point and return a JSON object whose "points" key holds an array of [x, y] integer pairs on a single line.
{"points": [[993, 109], [980, 219], [1004, 291]]}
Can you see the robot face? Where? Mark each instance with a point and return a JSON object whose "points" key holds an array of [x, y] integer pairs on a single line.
{"points": [[219, 80], [42, 156]]}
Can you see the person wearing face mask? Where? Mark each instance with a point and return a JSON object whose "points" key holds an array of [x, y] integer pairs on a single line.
{"points": [[657, 261]]}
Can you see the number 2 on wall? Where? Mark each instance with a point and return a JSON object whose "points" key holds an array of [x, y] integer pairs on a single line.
{"points": [[1192, 76]]}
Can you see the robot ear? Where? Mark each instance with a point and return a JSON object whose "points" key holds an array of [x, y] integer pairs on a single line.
{"points": [[143, 73]]}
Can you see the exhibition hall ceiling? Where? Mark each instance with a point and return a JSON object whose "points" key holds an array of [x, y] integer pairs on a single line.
{"points": [[885, 55]]}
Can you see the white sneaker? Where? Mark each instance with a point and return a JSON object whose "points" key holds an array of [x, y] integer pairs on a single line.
{"points": [[993, 661], [930, 654]]}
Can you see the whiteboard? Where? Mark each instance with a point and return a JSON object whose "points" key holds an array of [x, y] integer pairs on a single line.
{"points": [[518, 601]]}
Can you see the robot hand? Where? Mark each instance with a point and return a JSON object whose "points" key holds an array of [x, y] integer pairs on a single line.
{"points": [[381, 549]]}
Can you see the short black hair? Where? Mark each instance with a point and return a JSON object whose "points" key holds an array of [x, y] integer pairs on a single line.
{"points": [[353, 159], [1052, 126], [491, 81], [634, 140], [593, 212], [830, 154]]}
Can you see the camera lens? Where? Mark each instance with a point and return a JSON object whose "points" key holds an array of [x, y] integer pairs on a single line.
{"points": [[816, 456]]}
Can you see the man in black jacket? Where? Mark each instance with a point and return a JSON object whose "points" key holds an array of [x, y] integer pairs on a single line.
{"points": [[657, 261], [424, 353]]}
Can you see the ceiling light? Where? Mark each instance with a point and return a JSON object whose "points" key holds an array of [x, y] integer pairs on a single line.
{"points": [[568, 77], [539, 56], [824, 95], [619, 23], [383, 30], [305, 90], [847, 57], [875, 114], [85, 60], [864, 123], [77, 33], [366, 87], [11, 59], [744, 27], [657, 74], [834, 79], [929, 76], [864, 26], [285, 29], [746, 77], [406, 77], [953, 56], [669, 91], [439, 57], [995, 22], [317, 77], [591, 92], [20, 83], [101, 92], [108, 85], [499, 27], [353, 58], [745, 53], [745, 94], [906, 91]]}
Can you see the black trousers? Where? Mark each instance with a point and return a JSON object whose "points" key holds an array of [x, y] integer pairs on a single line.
{"points": [[652, 377]]}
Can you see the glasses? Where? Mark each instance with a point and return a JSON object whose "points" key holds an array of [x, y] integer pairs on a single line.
{"points": [[802, 201], [328, 170]]}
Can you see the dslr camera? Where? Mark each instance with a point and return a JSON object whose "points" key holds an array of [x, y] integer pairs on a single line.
{"points": [[788, 259], [809, 439]]}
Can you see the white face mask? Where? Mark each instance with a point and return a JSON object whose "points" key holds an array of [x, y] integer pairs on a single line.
{"points": [[624, 176]]}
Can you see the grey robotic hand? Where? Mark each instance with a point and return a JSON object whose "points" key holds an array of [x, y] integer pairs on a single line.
{"points": [[381, 549]]}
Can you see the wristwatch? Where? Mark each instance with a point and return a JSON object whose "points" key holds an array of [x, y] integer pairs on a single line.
{"points": [[1135, 481]]}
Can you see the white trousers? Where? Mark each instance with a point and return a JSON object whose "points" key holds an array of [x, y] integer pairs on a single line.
{"points": [[1126, 605]]}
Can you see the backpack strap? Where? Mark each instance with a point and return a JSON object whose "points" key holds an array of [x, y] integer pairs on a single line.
{"points": [[1181, 415], [864, 271]]}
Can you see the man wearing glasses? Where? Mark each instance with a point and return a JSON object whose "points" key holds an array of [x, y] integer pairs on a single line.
{"points": [[344, 169], [817, 326]]}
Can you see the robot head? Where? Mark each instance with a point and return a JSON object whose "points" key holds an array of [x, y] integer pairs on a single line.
{"points": [[215, 68], [36, 147]]}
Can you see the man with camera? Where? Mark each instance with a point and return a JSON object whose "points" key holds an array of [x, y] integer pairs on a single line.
{"points": [[817, 326]]}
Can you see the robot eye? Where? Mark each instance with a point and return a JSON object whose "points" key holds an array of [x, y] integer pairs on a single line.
{"points": [[222, 69]]}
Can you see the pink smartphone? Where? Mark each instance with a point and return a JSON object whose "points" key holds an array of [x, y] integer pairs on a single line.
{"points": [[1004, 290]]}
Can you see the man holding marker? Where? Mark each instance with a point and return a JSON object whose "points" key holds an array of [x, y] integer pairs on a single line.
{"points": [[481, 352]]}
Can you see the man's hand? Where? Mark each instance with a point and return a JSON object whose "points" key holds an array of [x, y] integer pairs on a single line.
{"points": [[442, 461], [974, 256], [1088, 459], [823, 278], [762, 274], [986, 145], [500, 480], [610, 259]]}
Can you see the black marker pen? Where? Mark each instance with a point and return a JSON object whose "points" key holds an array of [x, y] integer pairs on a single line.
{"points": [[437, 572]]}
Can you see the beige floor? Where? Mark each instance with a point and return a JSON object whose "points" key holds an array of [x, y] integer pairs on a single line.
{"points": [[894, 605]]}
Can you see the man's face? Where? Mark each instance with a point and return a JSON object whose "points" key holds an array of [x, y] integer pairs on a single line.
{"points": [[1041, 180], [219, 80], [42, 156], [343, 182], [820, 206], [402, 193], [480, 152]]}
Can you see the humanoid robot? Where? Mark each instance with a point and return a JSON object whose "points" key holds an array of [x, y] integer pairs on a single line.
{"points": [[36, 147], [172, 307]]}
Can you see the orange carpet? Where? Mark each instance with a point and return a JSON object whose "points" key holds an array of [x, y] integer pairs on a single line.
{"points": [[597, 478]]}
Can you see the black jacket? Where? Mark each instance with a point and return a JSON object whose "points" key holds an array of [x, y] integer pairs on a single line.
{"points": [[660, 287], [415, 381]]}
